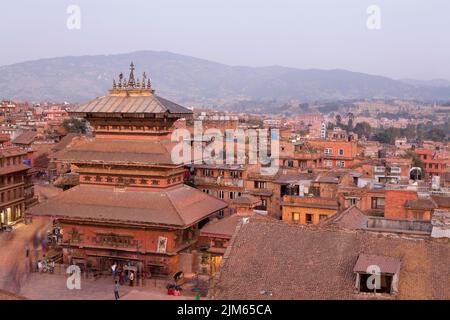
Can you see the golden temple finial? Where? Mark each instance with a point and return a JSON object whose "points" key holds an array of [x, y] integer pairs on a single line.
{"points": [[144, 78], [120, 80], [131, 80], [142, 84]]}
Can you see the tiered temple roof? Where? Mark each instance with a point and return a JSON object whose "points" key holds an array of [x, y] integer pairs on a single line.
{"points": [[126, 172]]}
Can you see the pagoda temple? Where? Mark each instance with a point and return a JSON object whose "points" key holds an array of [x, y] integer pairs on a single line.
{"points": [[131, 206]]}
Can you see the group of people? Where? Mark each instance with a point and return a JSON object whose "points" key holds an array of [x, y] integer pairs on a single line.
{"points": [[55, 235], [124, 276], [174, 289], [45, 265]]}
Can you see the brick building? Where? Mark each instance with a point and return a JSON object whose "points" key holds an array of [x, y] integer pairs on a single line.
{"points": [[16, 185], [436, 162], [225, 182], [301, 155], [319, 201], [336, 153]]}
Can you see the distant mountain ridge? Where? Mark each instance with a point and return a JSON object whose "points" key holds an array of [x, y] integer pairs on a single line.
{"points": [[430, 83], [186, 79]]}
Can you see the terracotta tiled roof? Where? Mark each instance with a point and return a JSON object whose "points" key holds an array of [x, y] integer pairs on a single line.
{"points": [[64, 142], [119, 151], [223, 227], [13, 168], [314, 262], [25, 138], [387, 265], [179, 206], [246, 199], [10, 152], [352, 218]]}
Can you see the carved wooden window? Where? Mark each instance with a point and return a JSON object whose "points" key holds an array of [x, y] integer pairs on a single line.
{"points": [[115, 240], [75, 235]]}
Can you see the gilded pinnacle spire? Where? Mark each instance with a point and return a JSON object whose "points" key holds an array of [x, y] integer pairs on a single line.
{"points": [[131, 80], [141, 85], [120, 79]]}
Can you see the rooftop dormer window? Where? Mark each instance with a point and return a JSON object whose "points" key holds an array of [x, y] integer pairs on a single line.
{"points": [[377, 274]]}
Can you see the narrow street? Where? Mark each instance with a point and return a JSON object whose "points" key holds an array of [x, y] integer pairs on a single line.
{"points": [[13, 262]]}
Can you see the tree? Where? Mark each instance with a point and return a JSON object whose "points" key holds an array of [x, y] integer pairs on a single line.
{"points": [[382, 137], [74, 125], [303, 106], [363, 129], [410, 132], [387, 136], [350, 124], [351, 117], [435, 134], [416, 161], [338, 120]]}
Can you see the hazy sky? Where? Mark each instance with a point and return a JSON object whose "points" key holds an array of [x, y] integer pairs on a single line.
{"points": [[413, 42]]}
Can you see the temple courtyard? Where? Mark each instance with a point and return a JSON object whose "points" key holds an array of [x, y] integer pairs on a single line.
{"points": [[17, 280]]}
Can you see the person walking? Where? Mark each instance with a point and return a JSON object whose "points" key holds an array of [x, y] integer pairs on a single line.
{"points": [[114, 268], [116, 290], [121, 278], [131, 278]]}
